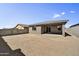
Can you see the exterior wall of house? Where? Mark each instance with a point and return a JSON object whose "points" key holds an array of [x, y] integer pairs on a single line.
{"points": [[19, 27], [54, 29], [43, 29], [37, 31]]}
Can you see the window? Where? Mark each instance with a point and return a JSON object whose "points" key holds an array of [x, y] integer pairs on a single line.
{"points": [[33, 28], [59, 28]]}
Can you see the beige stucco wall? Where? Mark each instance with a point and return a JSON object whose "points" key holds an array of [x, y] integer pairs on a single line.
{"points": [[37, 31], [42, 29], [55, 30]]}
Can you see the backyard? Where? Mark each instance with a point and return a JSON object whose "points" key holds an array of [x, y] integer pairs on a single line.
{"points": [[44, 45]]}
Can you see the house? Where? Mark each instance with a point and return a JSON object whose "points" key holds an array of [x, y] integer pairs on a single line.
{"points": [[53, 26], [21, 26]]}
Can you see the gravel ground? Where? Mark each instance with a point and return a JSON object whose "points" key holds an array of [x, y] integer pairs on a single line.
{"points": [[44, 45]]}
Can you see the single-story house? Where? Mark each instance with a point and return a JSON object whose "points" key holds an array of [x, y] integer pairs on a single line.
{"points": [[22, 27], [53, 26]]}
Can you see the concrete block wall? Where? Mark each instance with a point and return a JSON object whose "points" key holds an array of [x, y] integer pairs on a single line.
{"points": [[5, 32]]}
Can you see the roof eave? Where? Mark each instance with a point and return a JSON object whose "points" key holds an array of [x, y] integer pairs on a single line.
{"points": [[48, 24]]}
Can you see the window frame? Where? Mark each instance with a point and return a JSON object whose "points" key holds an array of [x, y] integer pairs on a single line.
{"points": [[59, 28], [34, 28]]}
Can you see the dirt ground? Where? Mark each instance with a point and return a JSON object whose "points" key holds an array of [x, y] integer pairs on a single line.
{"points": [[44, 45]]}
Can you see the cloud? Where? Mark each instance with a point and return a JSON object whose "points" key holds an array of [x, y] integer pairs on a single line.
{"points": [[59, 15], [56, 15], [72, 11], [63, 13]]}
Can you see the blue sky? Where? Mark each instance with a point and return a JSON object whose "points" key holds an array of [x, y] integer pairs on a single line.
{"points": [[12, 14]]}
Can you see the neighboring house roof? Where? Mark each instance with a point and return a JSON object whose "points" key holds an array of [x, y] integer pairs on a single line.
{"points": [[23, 25], [74, 25], [51, 22]]}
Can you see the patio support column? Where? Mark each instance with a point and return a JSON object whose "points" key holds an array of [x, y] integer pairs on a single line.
{"points": [[63, 30], [44, 29]]}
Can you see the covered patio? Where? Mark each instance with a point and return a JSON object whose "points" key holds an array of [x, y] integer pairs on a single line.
{"points": [[53, 29], [50, 27]]}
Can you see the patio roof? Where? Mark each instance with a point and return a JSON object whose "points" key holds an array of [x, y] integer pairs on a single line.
{"points": [[50, 22]]}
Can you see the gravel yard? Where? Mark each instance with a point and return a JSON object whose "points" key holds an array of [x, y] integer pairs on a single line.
{"points": [[44, 45]]}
